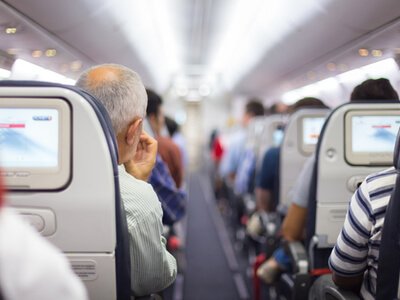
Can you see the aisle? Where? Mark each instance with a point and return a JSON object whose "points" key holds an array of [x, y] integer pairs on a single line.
{"points": [[212, 269]]}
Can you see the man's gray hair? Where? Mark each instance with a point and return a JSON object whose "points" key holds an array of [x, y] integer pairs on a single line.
{"points": [[123, 95]]}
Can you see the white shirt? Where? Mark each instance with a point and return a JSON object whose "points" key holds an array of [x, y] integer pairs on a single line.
{"points": [[30, 267]]}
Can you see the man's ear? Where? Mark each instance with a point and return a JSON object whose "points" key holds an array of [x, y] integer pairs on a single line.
{"points": [[134, 129]]}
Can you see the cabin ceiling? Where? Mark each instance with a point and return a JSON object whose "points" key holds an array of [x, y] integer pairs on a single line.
{"points": [[252, 47]]}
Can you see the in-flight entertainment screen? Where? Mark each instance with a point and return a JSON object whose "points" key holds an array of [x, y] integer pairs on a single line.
{"points": [[35, 143], [371, 137], [29, 138]]}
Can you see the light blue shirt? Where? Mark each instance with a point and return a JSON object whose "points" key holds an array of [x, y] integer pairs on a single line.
{"points": [[230, 160]]}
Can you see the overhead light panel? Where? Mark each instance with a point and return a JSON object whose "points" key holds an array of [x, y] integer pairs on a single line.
{"points": [[376, 53], [363, 52], [76, 65], [50, 52], [11, 30], [37, 53], [331, 67], [311, 75], [343, 67], [13, 51]]}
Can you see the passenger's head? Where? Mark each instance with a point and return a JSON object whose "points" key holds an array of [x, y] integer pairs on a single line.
{"points": [[122, 93], [253, 108], [277, 108], [172, 126], [374, 89], [308, 102], [154, 112]]}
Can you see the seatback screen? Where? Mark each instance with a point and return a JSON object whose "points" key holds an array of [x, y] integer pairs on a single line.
{"points": [[309, 130], [370, 136], [312, 129], [35, 143], [374, 133], [29, 138]]}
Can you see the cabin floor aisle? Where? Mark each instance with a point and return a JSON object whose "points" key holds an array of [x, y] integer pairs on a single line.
{"points": [[208, 273]]}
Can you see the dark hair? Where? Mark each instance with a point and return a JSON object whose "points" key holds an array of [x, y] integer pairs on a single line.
{"points": [[276, 108], [254, 107], [154, 103], [308, 102], [172, 126], [374, 89]]}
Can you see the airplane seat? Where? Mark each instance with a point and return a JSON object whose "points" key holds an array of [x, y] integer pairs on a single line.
{"points": [[346, 153], [59, 159], [261, 133], [299, 142], [388, 275]]}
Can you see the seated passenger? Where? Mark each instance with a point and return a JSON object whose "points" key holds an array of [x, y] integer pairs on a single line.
{"points": [[176, 135], [294, 222], [267, 197], [231, 159], [173, 199], [354, 259], [123, 95], [30, 267], [293, 225], [169, 151]]}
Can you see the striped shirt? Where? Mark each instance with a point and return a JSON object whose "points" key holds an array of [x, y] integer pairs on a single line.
{"points": [[153, 268], [357, 249]]}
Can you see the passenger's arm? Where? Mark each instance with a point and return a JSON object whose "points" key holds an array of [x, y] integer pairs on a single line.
{"points": [[173, 200], [348, 283], [177, 174], [294, 223], [348, 259], [141, 166], [266, 181]]}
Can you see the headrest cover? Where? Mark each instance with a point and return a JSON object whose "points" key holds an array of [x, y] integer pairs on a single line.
{"points": [[396, 153]]}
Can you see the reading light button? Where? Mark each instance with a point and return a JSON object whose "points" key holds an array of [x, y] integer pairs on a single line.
{"points": [[23, 174], [7, 174], [35, 220], [44, 220]]}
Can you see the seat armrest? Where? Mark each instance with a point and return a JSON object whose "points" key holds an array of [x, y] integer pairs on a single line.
{"points": [[151, 297], [324, 288], [335, 293], [299, 257]]}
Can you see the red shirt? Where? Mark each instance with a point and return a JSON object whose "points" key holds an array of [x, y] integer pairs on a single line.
{"points": [[172, 156]]}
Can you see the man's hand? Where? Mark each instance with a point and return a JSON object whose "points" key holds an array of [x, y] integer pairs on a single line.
{"points": [[141, 165]]}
